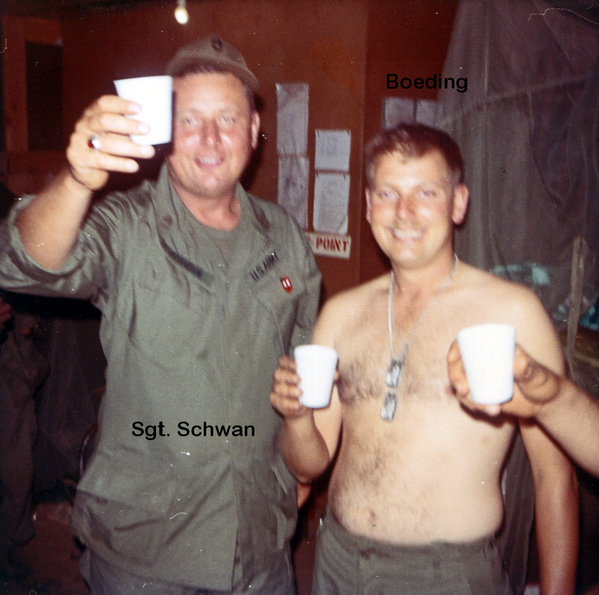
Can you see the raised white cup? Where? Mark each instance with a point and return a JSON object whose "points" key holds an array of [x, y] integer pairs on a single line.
{"points": [[488, 355], [316, 367], [155, 95]]}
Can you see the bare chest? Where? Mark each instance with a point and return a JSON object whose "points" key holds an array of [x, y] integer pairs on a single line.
{"points": [[422, 474], [365, 362]]}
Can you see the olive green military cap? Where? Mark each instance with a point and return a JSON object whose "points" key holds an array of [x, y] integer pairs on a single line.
{"points": [[212, 50]]}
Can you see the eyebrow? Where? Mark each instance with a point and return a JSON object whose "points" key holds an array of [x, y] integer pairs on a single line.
{"points": [[192, 110], [392, 186]]}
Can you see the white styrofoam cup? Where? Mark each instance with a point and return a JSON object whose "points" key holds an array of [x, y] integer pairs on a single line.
{"points": [[154, 94], [488, 355], [316, 366]]}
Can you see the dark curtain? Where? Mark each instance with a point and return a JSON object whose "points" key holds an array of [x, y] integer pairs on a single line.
{"points": [[528, 126]]}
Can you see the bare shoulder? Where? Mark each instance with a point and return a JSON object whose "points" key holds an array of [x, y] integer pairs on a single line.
{"points": [[349, 307], [356, 300], [500, 292], [511, 303]]}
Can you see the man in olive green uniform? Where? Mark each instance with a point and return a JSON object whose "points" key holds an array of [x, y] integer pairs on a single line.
{"points": [[202, 288]]}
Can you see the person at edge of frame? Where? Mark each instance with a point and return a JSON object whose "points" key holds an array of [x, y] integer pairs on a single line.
{"points": [[568, 413], [23, 368], [202, 288], [414, 498]]}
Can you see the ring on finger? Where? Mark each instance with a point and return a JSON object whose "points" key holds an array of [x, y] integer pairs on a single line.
{"points": [[93, 142]]}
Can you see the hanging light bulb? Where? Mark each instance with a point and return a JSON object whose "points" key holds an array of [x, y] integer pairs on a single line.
{"points": [[181, 14]]}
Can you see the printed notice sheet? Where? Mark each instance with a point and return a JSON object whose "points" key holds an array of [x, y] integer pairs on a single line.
{"points": [[426, 111], [293, 187], [292, 118], [332, 150], [331, 199], [396, 110]]}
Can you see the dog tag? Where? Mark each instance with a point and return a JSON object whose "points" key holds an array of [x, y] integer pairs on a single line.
{"points": [[394, 372], [389, 406]]}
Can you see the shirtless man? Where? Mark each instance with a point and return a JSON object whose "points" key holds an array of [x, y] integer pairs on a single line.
{"points": [[414, 498]]}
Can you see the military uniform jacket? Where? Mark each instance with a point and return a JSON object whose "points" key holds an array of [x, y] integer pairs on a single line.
{"points": [[187, 461]]}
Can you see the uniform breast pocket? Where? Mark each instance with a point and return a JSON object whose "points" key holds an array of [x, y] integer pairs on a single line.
{"points": [[281, 294], [165, 329]]}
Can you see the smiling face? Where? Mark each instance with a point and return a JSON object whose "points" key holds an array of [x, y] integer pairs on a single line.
{"points": [[214, 134], [412, 208]]}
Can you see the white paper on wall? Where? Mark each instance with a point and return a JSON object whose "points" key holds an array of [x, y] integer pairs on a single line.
{"points": [[294, 173], [426, 111], [331, 199], [396, 110], [292, 118], [332, 150]]}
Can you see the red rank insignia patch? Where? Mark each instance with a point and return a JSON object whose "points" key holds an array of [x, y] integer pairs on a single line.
{"points": [[287, 285]]}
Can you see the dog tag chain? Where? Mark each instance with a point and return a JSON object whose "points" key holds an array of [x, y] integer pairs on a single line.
{"points": [[396, 366]]}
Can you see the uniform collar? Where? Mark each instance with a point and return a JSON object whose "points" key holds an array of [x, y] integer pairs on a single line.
{"points": [[186, 240], [172, 212]]}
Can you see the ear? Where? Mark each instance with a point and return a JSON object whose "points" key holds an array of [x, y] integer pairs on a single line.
{"points": [[368, 206], [255, 128], [460, 203]]}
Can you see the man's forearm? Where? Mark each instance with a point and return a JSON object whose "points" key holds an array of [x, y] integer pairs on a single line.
{"points": [[303, 448], [572, 419], [556, 520], [50, 224]]}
